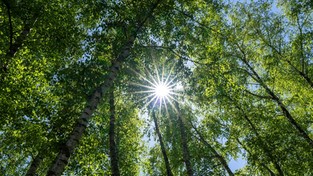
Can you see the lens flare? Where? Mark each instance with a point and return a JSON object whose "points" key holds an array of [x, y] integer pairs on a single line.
{"points": [[160, 88]]}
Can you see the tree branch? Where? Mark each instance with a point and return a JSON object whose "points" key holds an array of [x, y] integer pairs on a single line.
{"points": [[186, 58], [8, 5], [221, 159], [259, 96]]}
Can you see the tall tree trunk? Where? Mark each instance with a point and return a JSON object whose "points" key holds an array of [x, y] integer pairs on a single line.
{"points": [[167, 163], [183, 134], [262, 164], [67, 149], [113, 149], [35, 164], [276, 99], [218, 156]]}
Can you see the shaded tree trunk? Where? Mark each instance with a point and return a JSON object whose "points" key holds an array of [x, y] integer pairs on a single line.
{"points": [[113, 149], [183, 134], [35, 164], [216, 154], [167, 163], [67, 149]]}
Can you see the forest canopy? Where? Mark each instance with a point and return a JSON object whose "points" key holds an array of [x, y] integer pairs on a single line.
{"points": [[156, 87]]}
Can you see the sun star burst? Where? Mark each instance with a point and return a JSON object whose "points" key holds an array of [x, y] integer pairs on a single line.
{"points": [[160, 88]]}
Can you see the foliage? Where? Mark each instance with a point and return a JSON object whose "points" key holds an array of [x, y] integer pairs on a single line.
{"points": [[245, 69]]}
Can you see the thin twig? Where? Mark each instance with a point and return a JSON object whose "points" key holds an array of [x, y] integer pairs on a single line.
{"points": [[259, 96]]}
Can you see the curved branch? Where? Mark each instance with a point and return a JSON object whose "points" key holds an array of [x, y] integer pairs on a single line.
{"points": [[259, 96]]}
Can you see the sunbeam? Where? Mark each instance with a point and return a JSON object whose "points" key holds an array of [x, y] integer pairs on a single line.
{"points": [[159, 88]]}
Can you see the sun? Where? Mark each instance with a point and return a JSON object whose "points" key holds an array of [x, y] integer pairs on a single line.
{"points": [[162, 90], [159, 87]]}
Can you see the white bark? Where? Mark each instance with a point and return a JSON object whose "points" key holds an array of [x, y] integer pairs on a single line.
{"points": [[66, 150]]}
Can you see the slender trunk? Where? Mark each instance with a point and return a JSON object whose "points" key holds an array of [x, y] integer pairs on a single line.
{"points": [[167, 163], [8, 5], [275, 98], [219, 157], [67, 149], [183, 134], [264, 146], [283, 108], [262, 143], [113, 149], [262, 164], [35, 164]]}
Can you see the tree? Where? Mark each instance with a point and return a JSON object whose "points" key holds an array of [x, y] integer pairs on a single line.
{"points": [[112, 136], [157, 130], [64, 154]]}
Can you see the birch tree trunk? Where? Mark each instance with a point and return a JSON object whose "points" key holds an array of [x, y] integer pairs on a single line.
{"points": [[167, 163], [113, 150], [35, 164], [67, 149], [183, 134]]}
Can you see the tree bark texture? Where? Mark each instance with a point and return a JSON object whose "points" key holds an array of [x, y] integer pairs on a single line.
{"points": [[113, 149], [35, 164], [67, 149], [167, 163], [183, 134]]}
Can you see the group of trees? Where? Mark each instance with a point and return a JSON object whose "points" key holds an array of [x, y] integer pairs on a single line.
{"points": [[70, 70]]}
